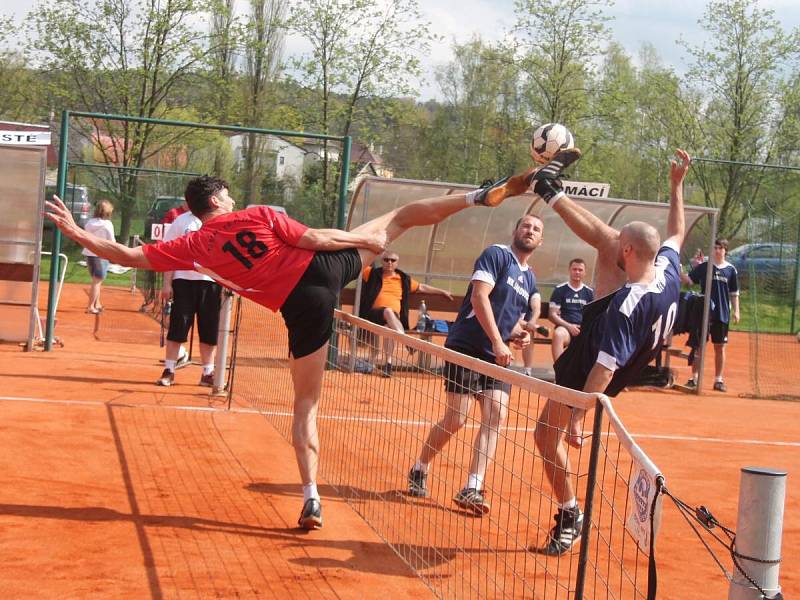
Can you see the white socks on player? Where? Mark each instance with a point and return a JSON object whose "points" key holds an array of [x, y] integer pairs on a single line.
{"points": [[475, 481], [471, 196], [310, 491], [570, 504], [420, 466], [170, 364], [208, 369]]}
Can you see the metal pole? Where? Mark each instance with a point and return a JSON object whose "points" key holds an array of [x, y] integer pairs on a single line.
{"points": [[343, 181], [759, 527], [706, 306], [223, 333], [591, 483], [61, 185], [796, 298]]}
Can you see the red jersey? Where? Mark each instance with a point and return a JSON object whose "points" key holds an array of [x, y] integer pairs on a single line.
{"points": [[250, 251]]}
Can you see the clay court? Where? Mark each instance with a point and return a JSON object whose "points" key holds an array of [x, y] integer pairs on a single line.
{"points": [[113, 487]]}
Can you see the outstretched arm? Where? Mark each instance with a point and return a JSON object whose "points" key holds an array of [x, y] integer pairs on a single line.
{"points": [[108, 249], [430, 289], [676, 222], [336, 239]]}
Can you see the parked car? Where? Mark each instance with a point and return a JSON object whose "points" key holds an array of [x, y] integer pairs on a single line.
{"points": [[161, 205], [771, 262], [76, 197]]}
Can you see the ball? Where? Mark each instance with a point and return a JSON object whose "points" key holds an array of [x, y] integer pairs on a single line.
{"points": [[548, 140]]}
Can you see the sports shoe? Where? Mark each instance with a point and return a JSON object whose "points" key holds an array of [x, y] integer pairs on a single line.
{"points": [[565, 534], [167, 378], [493, 193], [311, 515], [719, 386], [386, 371], [207, 380], [556, 166], [691, 384], [472, 500], [417, 483], [547, 179]]}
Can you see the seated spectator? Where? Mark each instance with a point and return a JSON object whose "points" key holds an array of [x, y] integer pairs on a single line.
{"points": [[566, 306]]}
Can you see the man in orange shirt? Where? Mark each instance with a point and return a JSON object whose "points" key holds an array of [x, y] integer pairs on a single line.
{"points": [[384, 299]]}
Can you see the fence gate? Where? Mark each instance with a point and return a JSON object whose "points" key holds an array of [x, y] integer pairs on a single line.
{"points": [[23, 159]]}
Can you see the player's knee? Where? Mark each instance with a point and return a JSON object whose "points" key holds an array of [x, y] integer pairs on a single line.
{"points": [[453, 421]]}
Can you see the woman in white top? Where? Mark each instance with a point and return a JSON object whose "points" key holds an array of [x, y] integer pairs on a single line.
{"points": [[100, 226]]}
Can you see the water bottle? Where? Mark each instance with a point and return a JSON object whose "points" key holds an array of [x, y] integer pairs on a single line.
{"points": [[423, 316]]}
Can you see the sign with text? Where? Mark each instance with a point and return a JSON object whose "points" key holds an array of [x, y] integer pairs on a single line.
{"points": [[159, 230], [25, 138], [587, 190]]}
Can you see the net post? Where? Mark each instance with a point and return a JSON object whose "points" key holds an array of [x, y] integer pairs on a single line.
{"points": [[701, 359], [591, 482], [759, 526], [223, 333]]}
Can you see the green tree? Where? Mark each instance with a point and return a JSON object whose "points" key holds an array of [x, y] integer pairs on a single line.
{"points": [[124, 57], [264, 42], [481, 128], [741, 71], [359, 49], [21, 91], [558, 42]]}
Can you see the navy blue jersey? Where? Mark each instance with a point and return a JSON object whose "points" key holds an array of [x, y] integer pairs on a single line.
{"points": [[514, 286], [570, 301], [625, 330], [724, 284]]}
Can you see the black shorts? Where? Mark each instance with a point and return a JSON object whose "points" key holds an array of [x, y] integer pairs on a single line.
{"points": [[460, 380], [308, 311], [573, 366], [718, 331], [190, 298], [375, 315]]}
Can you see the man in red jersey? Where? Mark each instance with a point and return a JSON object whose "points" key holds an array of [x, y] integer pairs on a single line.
{"points": [[283, 265]]}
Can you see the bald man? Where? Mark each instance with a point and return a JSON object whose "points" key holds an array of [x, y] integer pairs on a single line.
{"points": [[639, 279]]}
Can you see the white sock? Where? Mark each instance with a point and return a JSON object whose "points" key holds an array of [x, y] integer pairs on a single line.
{"points": [[527, 371], [475, 481], [471, 197], [181, 352], [570, 504], [693, 377], [208, 369], [718, 379], [310, 491], [170, 364], [420, 466]]}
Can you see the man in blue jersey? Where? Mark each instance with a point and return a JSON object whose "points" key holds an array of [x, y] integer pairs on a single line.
{"points": [[566, 306], [620, 333], [502, 292], [724, 293]]}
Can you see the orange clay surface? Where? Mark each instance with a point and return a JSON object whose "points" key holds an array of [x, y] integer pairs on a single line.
{"points": [[113, 487]]}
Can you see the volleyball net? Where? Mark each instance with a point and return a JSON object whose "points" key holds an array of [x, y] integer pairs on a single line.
{"points": [[373, 425]]}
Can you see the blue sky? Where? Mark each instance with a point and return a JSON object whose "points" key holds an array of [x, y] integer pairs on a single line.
{"points": [[661, 22]]}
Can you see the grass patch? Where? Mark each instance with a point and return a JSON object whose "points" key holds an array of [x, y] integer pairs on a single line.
{"points": [[80, 274]]}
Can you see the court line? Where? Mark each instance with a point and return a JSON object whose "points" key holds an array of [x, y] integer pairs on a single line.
{"points": [[380, 420]]}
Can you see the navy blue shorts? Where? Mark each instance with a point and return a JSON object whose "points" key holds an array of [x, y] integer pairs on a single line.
{"points": [[308, 311], [719, 332]]}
